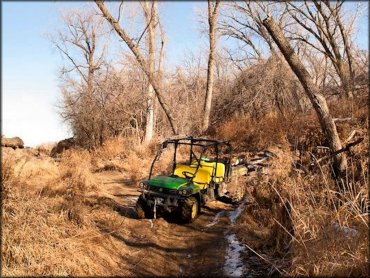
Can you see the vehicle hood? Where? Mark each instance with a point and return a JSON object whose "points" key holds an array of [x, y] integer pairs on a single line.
{"points": [[167, 182]]}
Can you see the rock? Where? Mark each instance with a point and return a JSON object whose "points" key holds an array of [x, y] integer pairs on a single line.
{"points": [[62, 146], [14, 142]]}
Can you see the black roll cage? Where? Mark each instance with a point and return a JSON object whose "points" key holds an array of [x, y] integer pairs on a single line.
{"points": [[201, 142]]}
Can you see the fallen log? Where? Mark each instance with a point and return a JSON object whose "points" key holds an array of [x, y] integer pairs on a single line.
{"points": [[344, 149], [342, 120], [353, 133]]}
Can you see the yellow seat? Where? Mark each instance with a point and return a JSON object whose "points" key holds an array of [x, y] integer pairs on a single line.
{"points": [[210, 166], [202, 176], [220, 170]]}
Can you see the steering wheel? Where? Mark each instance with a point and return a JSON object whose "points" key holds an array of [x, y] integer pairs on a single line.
{"points": [[188, 175]]}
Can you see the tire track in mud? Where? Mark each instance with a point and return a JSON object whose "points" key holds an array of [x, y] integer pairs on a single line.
{"points": [[162, 247]]}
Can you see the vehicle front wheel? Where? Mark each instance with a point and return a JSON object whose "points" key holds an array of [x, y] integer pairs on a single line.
{"points": [[190, 210], [142, 209]]}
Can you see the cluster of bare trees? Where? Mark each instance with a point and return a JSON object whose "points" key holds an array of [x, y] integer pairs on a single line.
{"points": [[289, 57], [81, 43], [99, 100]]}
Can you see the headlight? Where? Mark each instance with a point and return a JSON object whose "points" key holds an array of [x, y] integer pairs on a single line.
{"points": [[143, 185], [185, 192]]}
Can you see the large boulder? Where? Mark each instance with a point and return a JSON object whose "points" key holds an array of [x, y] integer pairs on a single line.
{"points": [[14, 142], [62, 146]]}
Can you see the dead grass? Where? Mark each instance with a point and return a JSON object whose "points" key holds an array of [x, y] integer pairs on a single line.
{"points": [[330, 228], [130, 157], [125, 155], [317, 226], [315, 229], [51, 223], [45, 149]]}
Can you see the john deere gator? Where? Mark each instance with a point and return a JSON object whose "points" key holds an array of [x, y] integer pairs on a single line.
{"points": [[206, 174]]}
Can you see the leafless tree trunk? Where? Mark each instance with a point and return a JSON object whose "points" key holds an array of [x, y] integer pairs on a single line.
{"points": [[143, 64], [150, 11], [317, 100], [212, 21], [160, 68]]}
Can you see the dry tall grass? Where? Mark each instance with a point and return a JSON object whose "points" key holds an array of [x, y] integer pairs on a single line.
{"points": [[305, 221], [52, 223], [304, 224]]}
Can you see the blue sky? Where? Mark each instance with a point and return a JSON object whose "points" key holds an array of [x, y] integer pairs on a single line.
{"points": [[30, 64]]}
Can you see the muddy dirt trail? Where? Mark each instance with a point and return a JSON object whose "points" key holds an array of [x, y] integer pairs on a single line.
{"points": [[163, 247]]}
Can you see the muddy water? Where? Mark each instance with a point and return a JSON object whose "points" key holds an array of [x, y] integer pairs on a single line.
{"points": [[234, 265]]}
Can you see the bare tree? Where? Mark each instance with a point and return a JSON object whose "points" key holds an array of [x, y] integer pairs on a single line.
{"points": [[318, 101], [152, 77], [326, 32], [151, 18], [160, 69], [212, 22], [80, 41]]}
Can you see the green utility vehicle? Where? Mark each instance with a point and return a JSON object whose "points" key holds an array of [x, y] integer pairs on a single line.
{"points": [[207, 173]]}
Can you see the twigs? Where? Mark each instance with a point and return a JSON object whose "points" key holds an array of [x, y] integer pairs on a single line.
{"points": [[281, 271], [344, 149]]}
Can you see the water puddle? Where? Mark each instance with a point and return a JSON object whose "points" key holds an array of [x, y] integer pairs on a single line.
{"points": [[233, 215], [234, 266], [216, 219]]}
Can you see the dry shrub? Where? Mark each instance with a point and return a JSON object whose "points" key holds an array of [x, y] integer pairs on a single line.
{"points": [[38, 239], [330, 227], [45, 149], [137, 162], [75, 169], [255, 135], [265, 87], [126, 155], [258, 226], [356, 108], [113, 148], [303, 218], [246, 133], [37, 173], [9, 179], [57, 230], [116, 152], [74, 182]]}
